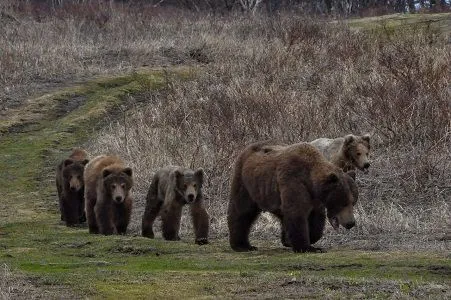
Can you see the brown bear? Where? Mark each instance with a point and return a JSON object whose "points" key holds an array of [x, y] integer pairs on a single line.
{"points": [[171, 188], [70, 187], [347, 152], [107, 195], [296, 184]]}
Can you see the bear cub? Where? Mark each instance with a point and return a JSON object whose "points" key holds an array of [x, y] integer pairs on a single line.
{"points": [[70, 187], [107, 195], [172, 188]]}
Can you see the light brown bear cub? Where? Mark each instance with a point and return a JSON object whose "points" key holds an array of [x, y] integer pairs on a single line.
{"points": [[171, 188], [107, 195], [296, 184], [70, 187], [347, 152]]}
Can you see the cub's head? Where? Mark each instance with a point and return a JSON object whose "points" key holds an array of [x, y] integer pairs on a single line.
{"points": [[340, 194], [357, 149], [73, 174], [117, 183], [189, 184]]}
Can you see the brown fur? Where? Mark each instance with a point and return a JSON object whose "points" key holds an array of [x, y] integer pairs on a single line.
{"points": [[70, 187], [107, 195], [348, 153], [171, 188], [295, 183]]}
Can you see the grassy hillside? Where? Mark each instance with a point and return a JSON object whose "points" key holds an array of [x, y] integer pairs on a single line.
{"points": [[68, 261], [248, 80]]}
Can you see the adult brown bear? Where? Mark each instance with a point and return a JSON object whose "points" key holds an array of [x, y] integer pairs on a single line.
{"points": [[107, 195], [171, 188], [70, 187], [295, 183]]}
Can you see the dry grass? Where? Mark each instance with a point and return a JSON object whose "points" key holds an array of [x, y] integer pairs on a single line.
{"points": [[296, 80], [289, 78]]}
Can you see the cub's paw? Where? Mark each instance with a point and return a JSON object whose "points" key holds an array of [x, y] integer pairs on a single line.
{"points": [[202, 241]]}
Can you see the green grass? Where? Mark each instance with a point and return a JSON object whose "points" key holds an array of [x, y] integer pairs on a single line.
{"points": [[35, 243], [441, 22], [127, 266]]}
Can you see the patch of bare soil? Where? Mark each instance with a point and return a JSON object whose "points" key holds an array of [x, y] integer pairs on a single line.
{"points": [[14, 286], [308, 288]]}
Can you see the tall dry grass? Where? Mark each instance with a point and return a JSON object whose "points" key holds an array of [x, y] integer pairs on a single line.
{"points": [[295, 79], [289, 78]]}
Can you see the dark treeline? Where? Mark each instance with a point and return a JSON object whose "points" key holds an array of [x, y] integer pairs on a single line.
{"points": [[336, 7]]}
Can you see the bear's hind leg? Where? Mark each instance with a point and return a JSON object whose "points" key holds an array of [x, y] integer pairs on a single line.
{"points": [[150, 214], [242, 213]]}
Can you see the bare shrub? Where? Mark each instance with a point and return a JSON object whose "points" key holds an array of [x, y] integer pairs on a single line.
{"points": [[298, 82]]}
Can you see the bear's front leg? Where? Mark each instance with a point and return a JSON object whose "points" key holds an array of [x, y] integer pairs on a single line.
{"points": [[104, 218], [170, 218], [295, 220], [200, 222]]}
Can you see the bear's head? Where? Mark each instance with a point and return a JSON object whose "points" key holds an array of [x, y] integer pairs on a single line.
{"points": [[117, 183], [357, 150], [73, 174], [339, 194], [189, 184]]}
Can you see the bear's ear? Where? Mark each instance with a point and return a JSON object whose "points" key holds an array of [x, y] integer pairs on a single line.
{"points": [[199, 174], [85, 162], [68, 162], [128, 171], [331, 178], [351, 173], [106, 172], [349, 139], [366, 138]]}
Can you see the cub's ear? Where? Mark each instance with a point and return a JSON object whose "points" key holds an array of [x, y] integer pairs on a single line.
{"points": [[366, 138], [176, 176], [199, 174], [128, 171], [68, 162], [85, 162], [106, 172], [351, 173], [349, 139], [331, 178]]}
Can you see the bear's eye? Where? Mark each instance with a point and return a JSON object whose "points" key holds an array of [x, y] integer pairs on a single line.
{"points": [[113, 185], [122, 185], [185, 186], [358, 154], [195, 185]]}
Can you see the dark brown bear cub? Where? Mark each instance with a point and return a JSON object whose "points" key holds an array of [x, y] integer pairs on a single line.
{"points": [[70, 187], [172, 188], [107, 195], [295, 183]]}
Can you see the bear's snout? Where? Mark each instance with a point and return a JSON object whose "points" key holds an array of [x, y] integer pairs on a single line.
{"points": [[350, 225], [366, 165], [191, 198], [118, 199]]}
